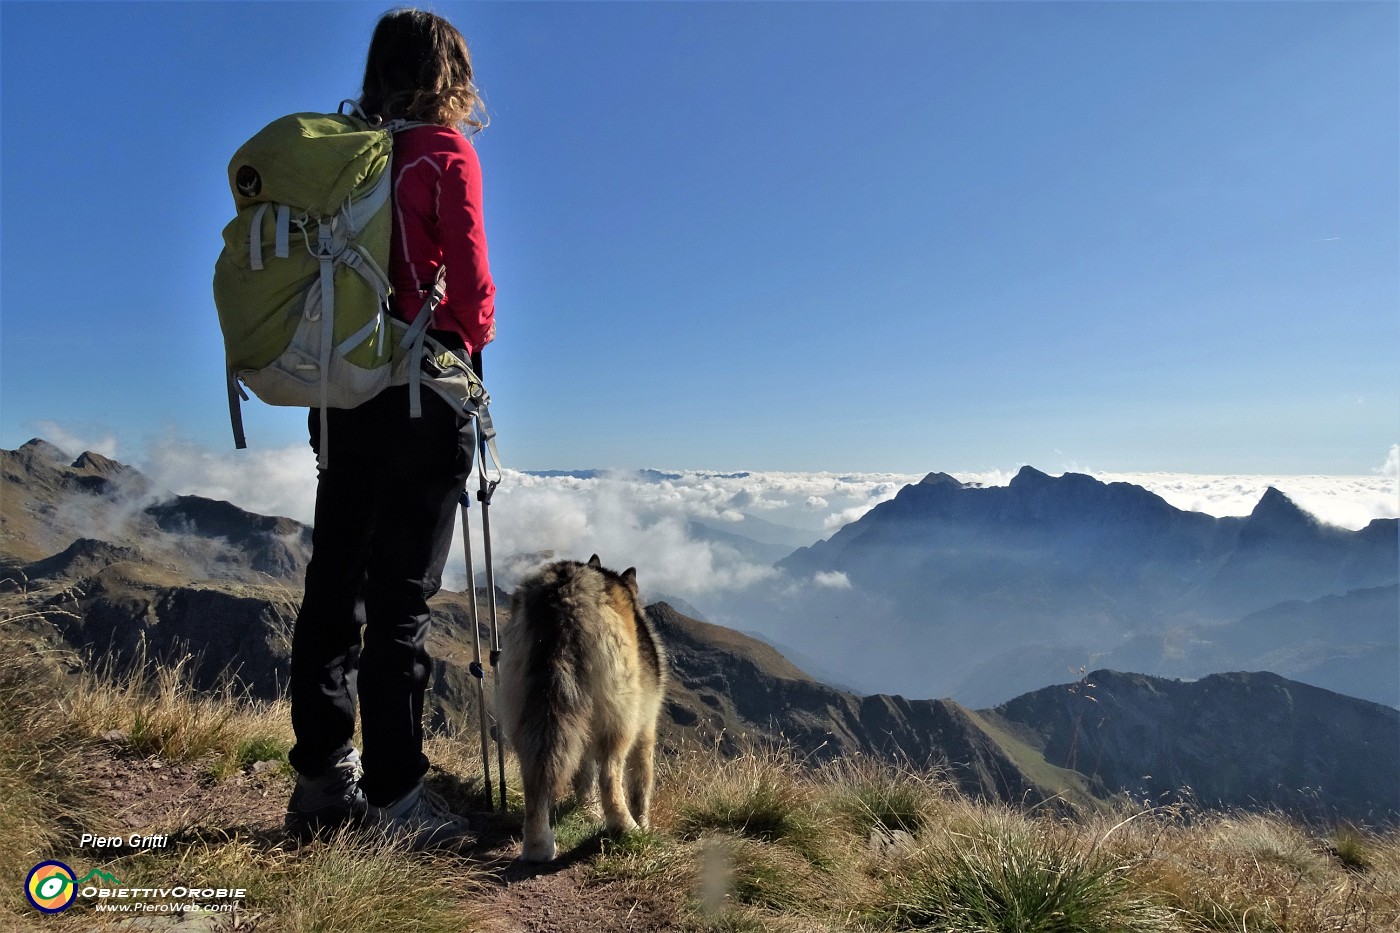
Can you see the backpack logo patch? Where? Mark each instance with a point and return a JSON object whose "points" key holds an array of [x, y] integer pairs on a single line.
{"points": [[248, 180]]}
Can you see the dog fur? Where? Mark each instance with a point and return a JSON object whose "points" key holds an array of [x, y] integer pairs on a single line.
{"points": [[582, 676]]}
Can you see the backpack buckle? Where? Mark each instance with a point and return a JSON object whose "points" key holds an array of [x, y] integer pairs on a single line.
{"points": [[325, 242]]}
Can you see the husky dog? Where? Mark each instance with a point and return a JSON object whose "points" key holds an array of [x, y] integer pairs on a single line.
{"points": [[581, 679]]}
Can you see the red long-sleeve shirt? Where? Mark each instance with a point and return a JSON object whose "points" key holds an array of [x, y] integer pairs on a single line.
{"points": [[437, 222]]}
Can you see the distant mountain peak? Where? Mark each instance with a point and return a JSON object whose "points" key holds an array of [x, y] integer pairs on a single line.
{"points": [[92, 462], [1276, 499], [1276, 512], [940, 479], [84, 557], [1030, 476], [41, 449]]}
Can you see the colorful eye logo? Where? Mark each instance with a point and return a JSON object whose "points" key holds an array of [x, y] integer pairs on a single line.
{"points": [[50, 887]]}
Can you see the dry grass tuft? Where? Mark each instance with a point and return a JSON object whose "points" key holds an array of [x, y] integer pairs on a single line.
{"points": [[873, 796], [1012, 873], [346, 884], [155, 710], [762, 795], [41, 785]]}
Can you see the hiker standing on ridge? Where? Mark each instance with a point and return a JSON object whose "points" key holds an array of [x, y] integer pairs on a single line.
{"points": [[386, 502]]}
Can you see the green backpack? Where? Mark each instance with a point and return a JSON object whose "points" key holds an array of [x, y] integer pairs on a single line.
{"points": [[300, 287]]}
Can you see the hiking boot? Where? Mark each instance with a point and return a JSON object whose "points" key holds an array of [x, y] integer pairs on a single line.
{"points": [[419, 819], [323, 803]]}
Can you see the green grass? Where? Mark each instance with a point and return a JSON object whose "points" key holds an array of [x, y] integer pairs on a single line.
{"points": [[768, 812], [869, 795], [1028, 880], [249, 751], [754, 797], [1350, 848], [1071, 785]]}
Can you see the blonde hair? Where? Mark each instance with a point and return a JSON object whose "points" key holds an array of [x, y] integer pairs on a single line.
{"points": [[419, 68]]}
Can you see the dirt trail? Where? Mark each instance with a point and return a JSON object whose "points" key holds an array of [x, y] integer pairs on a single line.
{"points": [[563, 900], [147, 796], [559, 896]]}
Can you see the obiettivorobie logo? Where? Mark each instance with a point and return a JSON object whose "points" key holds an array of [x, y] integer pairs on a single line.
{"points": [[52, 886]]}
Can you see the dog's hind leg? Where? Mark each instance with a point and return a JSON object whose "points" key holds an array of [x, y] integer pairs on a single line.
{"points": [[539, 837], [611, 761], [639, 777], [586, 786]]}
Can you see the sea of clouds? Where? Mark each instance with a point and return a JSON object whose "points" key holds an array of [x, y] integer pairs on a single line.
{"points": [[706, 541], [648, 519]]}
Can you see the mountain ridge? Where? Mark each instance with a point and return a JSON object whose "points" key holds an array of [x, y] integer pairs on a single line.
{"points": [[1309, 749], [1073, 566], [135, 599]]}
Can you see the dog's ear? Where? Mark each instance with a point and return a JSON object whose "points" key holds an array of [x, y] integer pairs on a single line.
{"points": [[595, 562], [629, 576]]}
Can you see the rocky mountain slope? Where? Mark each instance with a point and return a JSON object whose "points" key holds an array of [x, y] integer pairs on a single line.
{"points": [[51, 501], [1232, 739], [727, 686]]}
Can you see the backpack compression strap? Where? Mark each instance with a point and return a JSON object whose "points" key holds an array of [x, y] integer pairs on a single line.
{"points": [[325, 254], [236, 396], [413, 338]]}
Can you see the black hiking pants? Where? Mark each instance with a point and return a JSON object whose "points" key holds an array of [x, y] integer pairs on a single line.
{"points": [[385, 512]]}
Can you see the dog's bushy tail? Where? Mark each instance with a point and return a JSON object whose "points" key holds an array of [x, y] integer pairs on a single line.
{"points": [[547, 702]]}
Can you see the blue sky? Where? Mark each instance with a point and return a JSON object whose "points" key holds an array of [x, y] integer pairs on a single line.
{"points": [[799, 236]]}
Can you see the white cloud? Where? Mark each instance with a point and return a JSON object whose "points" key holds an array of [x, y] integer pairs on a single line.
{"points": [[1391, 468], [277, 481], [835, 580], [75, 441], [627, 522], [817, 502], [1345, 501], [838, 520]]}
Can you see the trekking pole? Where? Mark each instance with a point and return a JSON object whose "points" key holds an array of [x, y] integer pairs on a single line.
{"points": [[475, 668], [483, 494]]}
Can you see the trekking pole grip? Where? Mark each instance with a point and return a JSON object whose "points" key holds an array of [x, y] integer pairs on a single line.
{"points": [[476, 363]]}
